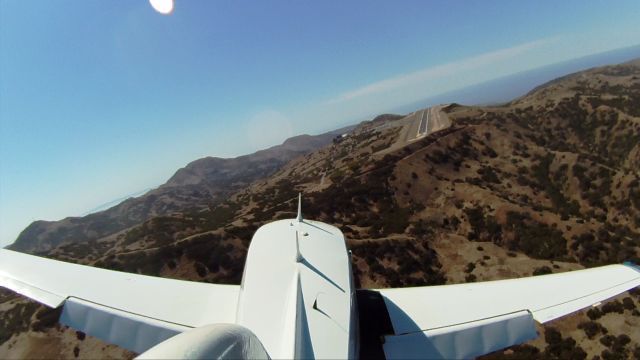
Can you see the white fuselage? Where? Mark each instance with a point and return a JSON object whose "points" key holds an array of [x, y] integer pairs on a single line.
{"points": [[297, 292]]}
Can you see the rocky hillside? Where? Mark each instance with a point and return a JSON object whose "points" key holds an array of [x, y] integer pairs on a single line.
{"points": [[547, 183], [200, 184]]}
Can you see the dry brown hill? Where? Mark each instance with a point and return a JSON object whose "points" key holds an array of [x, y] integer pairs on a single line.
{"points": [[547, 183], [200, 184]]}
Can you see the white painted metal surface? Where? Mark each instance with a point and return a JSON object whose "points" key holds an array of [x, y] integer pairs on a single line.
{"points": [[184, 303], [218, 341], [463, 341], [30, 291], [547, 297], [299, 308], [130, 331]]}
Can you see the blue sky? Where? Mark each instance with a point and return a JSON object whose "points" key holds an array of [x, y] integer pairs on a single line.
{"points": [[100, 99]]}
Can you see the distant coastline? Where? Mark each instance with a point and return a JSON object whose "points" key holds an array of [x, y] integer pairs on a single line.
{"points": [[510, 87]]}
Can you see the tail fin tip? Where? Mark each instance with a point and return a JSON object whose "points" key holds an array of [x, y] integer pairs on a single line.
{"points": [[299, 217]]}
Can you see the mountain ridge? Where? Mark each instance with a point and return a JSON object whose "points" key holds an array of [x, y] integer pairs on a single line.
{"points": [[199, 184], [546, 183]]}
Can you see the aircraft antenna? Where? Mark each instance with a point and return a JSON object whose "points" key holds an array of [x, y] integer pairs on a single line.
{"points": [[299, 217]]}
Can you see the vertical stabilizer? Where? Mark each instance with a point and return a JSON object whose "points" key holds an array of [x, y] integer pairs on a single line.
{"points": [[299, 217]]}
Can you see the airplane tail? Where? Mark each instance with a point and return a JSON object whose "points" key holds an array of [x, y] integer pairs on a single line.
{"points": [[299, 217]]}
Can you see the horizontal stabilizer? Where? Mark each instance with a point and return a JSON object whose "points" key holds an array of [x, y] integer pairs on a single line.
{"points": [[130, 331], [463, 341], [131, 310], [32, 292], [435, 318]]}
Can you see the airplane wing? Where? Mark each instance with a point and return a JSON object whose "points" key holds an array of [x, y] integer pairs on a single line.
{"points": [[467, 320], [133, 311]]}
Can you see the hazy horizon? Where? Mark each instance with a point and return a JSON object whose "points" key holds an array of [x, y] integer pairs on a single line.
{"points": [[89, 114]]}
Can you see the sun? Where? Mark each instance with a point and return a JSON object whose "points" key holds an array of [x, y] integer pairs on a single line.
{"points": [[164, 7]]}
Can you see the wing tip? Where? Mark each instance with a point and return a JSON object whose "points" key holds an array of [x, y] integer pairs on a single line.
{"points": [[631, 265]]}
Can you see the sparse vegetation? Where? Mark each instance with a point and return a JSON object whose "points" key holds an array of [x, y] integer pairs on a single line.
{"points": [[551, 179]]}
